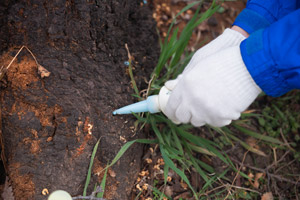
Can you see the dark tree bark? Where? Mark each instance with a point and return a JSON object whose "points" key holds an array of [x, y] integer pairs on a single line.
{"points": [[50, 125]]}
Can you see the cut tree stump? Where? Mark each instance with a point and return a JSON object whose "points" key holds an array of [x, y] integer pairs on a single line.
{"points": [[50, 125]]}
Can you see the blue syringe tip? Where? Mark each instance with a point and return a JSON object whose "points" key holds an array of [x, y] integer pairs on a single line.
{"points": [[149, 105]]}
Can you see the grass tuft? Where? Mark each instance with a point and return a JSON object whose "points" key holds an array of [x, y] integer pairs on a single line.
{"points": [[178, 146]]}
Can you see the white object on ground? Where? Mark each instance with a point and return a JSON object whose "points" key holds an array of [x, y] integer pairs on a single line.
{"points": [[59, 195]]}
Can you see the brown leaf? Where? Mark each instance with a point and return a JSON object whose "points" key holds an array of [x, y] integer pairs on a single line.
{"points": [[255, 184], [267, 196], [43, 71], [249, 111], [253, 147], [168, 191], [252, 142], [257, 177]]}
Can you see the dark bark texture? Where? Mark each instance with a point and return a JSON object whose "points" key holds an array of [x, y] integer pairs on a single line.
{"points": [[50, 125]]}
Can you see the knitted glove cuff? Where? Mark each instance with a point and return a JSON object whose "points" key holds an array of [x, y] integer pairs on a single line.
{"points": [[227, 39]]}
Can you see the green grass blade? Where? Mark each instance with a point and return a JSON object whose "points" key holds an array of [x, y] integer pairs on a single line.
{"points": [[244, 144], [88, 178], [102, 184], [126, 146], [133, 83], [177, 142], [156, 131], [195, 164], [212, 180], [166, 173], [281, 114], [182, 11], [201, 150], [170, 163], [203, 143], [257, 135], [161, 193], [169, 50], [205, 166]]}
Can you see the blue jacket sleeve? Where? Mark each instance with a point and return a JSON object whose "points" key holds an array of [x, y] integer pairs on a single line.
{"points": [[261, 13], [272, 55]]}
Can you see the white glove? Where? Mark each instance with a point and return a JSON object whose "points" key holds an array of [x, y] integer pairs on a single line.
{"points": [[228, 38], [214, 91]]}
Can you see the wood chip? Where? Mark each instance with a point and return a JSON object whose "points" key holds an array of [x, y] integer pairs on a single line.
{"points": [[267, 196], [43, 72], [45, 192]]}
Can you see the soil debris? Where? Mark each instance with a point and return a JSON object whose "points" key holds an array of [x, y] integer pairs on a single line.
{"points": [[23, 184]]}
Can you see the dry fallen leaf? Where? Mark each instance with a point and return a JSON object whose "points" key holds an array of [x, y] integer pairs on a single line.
{"points": [[168, 191], [267, 196], [254, 147], [112, 173], [251, 176], [43, 71], [183, 185], [249, 111], [257, 177], [255, 184], [123, 139]]}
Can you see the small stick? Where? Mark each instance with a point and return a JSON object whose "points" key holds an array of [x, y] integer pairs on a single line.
{"points": [[278, 161], [285, 141], [237, 173], [130, 72], [4, 69], [19, 53], [269, 174], [288, 164], [233, 186], [87, 197]]}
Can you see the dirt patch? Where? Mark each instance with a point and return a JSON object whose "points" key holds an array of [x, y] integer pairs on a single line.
{"points": [[23, 74], [98, 170], [165, 10], [82, 44], [24, 187]]}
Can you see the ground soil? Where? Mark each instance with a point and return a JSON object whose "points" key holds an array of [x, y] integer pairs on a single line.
{"points": [[50, 124]]}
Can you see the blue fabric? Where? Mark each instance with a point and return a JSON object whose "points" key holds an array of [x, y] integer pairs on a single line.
{"points": [[272, 55], [250, 21], [258, 12]]}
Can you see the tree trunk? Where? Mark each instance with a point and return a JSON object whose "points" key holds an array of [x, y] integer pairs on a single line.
{"points": [[50, 124]]}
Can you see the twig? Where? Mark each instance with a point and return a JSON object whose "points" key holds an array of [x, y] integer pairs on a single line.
{"points": [[285, 141], [269, 174], [130, 71], [41, 69], [19, 53], [149, 85], [92, 196], [233, 186], [296, 193], [277, 170], [278, 161], [87, 197], [237, 173]]}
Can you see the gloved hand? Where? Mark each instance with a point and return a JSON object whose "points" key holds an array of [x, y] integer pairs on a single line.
{"points": [[227, 39], [214, 91]]}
